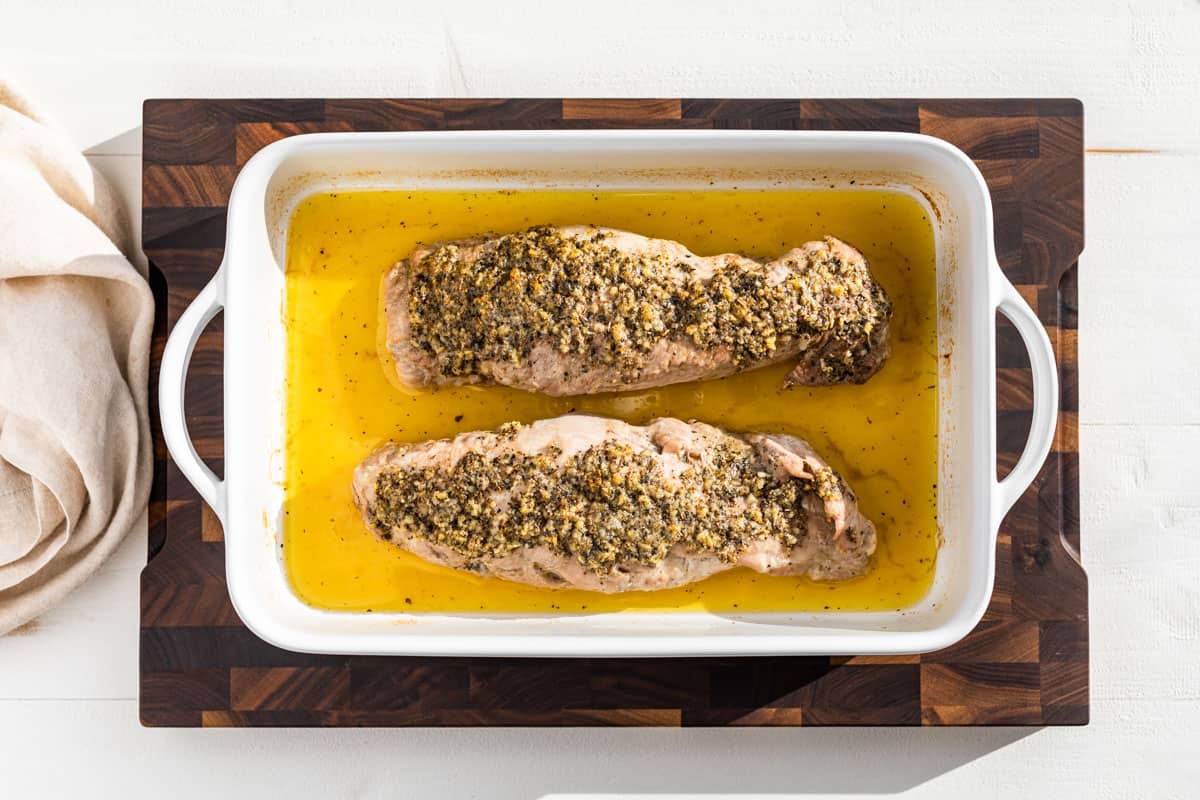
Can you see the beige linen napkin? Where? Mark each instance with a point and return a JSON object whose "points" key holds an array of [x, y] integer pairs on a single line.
{"points": [[75, 322]]}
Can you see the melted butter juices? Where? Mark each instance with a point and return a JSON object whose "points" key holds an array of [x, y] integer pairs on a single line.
{"points": [[341, 404]]}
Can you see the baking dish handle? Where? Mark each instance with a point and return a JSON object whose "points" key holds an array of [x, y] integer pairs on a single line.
{"points": [[172, 378], [1045, 397]]}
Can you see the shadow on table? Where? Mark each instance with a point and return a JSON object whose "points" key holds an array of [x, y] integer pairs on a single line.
{"points": [[795, 761], [127, 142], [574, 763]]}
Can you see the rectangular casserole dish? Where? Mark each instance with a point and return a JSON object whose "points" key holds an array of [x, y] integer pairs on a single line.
{"points": [[249, 287]]}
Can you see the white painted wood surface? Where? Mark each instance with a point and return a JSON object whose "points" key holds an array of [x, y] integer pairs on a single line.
{"points": [[68, 719]]}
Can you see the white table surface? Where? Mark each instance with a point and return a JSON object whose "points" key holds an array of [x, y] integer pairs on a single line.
{"points": [[68, 682]]}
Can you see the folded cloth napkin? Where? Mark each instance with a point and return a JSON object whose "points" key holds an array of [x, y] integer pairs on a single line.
{"points": [[75, 323]]}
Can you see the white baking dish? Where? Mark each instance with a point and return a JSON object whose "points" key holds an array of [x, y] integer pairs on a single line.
{"points": [[250, 288]]}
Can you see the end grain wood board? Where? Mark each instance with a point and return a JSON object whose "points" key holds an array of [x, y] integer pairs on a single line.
{"points": [[1025, 664]]}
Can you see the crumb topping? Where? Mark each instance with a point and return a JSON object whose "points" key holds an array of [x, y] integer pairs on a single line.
{"points": [[585, 297], [607, 505]]}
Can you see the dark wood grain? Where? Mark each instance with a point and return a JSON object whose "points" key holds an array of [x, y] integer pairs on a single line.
{"points": [[1025, 664], [288, 688], [624, 110]]}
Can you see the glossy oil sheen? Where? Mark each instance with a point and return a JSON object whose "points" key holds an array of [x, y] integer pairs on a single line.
{"points": [[882, 436]]}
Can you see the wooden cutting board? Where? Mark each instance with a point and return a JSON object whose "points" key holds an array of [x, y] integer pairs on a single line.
{"points": [[1025, 664]]}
